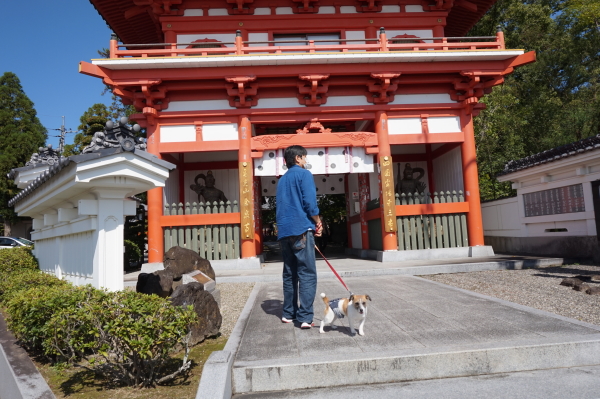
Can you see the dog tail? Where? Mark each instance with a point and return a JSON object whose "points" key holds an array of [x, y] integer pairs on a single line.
{"points": [[325, 300]]}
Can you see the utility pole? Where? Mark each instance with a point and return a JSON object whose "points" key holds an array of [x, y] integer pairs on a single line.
{"points": [[63, 132]]}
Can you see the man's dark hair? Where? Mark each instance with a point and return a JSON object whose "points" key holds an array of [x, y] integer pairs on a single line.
{"points": [[291, 152]]}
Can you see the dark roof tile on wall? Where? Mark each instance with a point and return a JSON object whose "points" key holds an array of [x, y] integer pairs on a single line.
{"points": [[554, 154]]}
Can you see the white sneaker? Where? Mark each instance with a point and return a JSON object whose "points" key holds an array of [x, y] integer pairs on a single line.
{"points": [[306, 326], [284, 320]]}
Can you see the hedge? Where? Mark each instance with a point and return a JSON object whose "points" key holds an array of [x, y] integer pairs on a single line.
{"points": [[126, 336], [15, 259]]}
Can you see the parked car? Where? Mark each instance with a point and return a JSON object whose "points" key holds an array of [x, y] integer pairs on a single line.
{"points": [[12, 242]]}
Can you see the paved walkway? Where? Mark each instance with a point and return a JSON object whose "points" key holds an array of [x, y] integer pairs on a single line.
{"points": [[416, 330]]}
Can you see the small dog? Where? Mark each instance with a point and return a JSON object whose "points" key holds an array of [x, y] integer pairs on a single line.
{"points": [[354, 307]]}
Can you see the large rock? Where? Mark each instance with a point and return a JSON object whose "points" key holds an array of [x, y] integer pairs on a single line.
{"points": [[159, 283], [205, 307], [181, 261]]}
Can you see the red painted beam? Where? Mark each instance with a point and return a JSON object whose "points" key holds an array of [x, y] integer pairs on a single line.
{"points": [[200, 220]]}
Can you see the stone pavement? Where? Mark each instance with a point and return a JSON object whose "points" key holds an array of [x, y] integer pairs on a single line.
{"points": [[416, 330], [348, 266]]}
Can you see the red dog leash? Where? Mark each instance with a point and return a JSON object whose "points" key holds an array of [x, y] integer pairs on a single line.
{"points": [[333, 270]]}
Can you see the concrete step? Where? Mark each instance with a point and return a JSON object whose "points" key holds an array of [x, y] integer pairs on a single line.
{"points": [[572, 383], [416, 330], [403, 366]]}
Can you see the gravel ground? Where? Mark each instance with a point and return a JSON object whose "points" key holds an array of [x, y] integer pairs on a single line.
{"points": [[233, 300], [536, 288]]}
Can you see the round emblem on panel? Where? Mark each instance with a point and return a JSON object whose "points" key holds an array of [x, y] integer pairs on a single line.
{"points": [[355, 164], [308, 166], [321, 153], [341, 179], [273, 181], [324, 180], [265, 190], [332, 188], [332, 166], [271, 155], [284, 167], [260, 167]]}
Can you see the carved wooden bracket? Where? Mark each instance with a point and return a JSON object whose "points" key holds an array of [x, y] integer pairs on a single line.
{"points": [[314, 126], [150, 96], [444, 5], [475, 84], [307, 6], [240, 7], [150, 113], [157, 8], [242, 94], [368, 6], [312, 90], [382, 87]]}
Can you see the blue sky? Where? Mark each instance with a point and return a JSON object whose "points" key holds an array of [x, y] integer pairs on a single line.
{"points": [[43, 42]]}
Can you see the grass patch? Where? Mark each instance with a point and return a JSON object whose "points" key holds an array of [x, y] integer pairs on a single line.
{"points": [[79, 383]]}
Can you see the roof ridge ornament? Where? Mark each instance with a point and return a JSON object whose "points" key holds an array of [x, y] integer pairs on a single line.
{"points": [[117, 135], [45, 156]]}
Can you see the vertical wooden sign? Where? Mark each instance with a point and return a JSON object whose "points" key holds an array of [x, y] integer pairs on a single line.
{"points": [[246, 203], [388, 200]]}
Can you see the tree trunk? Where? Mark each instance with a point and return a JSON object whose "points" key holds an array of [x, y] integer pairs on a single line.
{"points": [[7, 229]]}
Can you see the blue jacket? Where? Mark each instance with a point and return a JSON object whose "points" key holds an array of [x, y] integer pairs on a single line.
{"points": [[296, 202]]}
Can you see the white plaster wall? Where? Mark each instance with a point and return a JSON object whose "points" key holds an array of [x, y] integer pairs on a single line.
{"points": [[220, 132], [341, 101], [76, 263], [177, 133], [226, 180], [171, 189], [430, 98], [501, 218], [447, 171], [444, 124], [198, 105], [405, 126]]}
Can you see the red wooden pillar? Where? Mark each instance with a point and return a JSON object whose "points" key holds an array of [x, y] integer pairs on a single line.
{"points": [[156, 250], [258, 227], [471, 180], [246, 178], [364, 196], [384, 157]]}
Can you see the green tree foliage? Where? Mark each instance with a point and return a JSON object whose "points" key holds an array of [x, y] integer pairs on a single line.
{"points": [[21, 134], [551, 102], [92, 121]]}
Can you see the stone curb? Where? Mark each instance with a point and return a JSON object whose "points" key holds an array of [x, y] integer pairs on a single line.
{"points": [[19, 378], [216, 380], [409, 270]]}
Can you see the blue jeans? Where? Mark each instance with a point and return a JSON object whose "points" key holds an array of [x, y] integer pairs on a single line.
{"points": [[299, 276]]}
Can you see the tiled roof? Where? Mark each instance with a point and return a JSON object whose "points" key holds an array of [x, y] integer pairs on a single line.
{"points": [[64, 162], [142, 28], [554, 154]]}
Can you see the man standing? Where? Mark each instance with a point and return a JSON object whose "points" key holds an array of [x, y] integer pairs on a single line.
{"points": [[298, 223]]}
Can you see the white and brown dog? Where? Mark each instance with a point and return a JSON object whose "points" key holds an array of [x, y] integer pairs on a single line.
{"points": [[354, 307]]}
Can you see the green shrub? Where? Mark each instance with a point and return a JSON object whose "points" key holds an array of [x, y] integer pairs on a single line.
{"points": [[25, 279], [125, 336], [14, 259], [29, 310]]}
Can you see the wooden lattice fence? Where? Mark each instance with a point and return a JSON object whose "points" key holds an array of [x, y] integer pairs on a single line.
{"points": [[435, 230], [213, 241]]}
